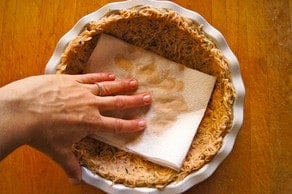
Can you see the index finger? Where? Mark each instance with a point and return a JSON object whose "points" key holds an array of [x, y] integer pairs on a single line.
{"points": [[107, 88], [91, 78]]}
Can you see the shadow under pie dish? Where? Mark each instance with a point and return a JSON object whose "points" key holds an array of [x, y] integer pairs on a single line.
{"points": [[182, 36]]}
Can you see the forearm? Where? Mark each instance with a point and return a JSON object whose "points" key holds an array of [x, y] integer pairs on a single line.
{"points": [[13, 125], [9, 139]]}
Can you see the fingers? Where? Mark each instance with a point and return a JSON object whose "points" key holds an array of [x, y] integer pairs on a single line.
{"points": [[91, 78], [116, 125], [120, 102], [71, 166], [115, 87], [107, 91]]}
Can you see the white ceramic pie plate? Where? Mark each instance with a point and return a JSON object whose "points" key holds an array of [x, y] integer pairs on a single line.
{"points": [[229, 140]]}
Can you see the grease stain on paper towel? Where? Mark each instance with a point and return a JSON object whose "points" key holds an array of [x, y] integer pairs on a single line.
{"points": [[166, 91]]}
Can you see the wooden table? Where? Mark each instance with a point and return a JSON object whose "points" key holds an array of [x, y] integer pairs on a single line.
{"points": [[259, 33]]}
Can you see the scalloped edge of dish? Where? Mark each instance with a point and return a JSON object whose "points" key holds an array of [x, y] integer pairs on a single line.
{"points": [[229, 140]]}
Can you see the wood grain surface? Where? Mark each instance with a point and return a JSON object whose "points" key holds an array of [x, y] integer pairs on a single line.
{"points": [[259, 33]]}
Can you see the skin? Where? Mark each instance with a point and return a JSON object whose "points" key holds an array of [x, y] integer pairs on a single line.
{"points": [[52, 112]]}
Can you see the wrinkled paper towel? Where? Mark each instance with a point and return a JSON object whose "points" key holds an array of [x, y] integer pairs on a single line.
{"points": [[180, 96]]}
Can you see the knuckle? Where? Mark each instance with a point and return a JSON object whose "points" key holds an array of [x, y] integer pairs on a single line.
{"points": [[92, 119], [118, 126], [119, 103], [105, 90], [72, 170]]}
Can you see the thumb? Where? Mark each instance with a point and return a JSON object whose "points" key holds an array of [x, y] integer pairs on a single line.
{"points": [[71, 167]]}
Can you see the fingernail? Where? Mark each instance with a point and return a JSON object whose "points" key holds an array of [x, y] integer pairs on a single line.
{"points": [[133, 83], [142, 124], [147, 98], [111, 76], [74, 181]]}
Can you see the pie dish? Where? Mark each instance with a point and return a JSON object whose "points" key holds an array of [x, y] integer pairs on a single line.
{"points": [[178, 32]]}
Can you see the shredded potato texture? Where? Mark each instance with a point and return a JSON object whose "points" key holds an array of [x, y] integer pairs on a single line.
{"points": [[179, 39]]}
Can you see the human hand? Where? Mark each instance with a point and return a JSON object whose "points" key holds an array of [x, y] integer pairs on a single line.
{"points": [[52, 112]]}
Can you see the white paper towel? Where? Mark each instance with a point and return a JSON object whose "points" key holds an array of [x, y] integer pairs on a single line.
{"points": [[180, 97]]}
